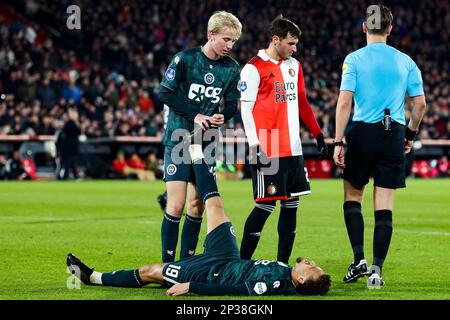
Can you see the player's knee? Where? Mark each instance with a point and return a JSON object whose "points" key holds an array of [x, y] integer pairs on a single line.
{"points": [[175, 209], [145, 273], [149, 273], [196, 208]]}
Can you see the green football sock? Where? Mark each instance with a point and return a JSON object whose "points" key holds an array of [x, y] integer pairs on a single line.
{"points": [[122, 278], [189, 236]]}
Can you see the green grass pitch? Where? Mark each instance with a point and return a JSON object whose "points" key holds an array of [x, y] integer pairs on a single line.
{"points": [[114, 225]]}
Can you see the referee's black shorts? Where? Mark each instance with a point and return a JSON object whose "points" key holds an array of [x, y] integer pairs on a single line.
{"points": [[372, 151], [290, 180]]}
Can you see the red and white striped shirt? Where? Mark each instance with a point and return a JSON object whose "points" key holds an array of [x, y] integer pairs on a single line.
{"points": [[277, 89]]}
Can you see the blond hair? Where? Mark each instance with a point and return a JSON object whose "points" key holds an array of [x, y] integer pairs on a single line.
{"points": [[221, 19]]}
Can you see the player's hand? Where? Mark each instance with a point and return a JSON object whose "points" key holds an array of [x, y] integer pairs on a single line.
{"points": [[339, 156], [178, 289], [219, 118], [321, 147], [408, 146], [203, 121]]}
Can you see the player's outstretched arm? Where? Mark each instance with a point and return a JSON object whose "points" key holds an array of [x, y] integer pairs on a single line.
{"points": [[207, 289]]}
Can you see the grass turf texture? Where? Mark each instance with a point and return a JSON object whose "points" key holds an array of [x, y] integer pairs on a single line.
{"points": [[114, 225]]}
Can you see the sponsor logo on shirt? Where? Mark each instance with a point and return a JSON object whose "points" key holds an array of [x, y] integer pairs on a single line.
{"points": [[291, 72], [198, 92], [281, 89]]}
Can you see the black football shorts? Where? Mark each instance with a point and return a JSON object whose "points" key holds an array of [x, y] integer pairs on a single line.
{"points": [[290, 180], [372, 151]]}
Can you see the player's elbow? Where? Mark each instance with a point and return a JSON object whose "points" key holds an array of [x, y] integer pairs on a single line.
{"points": [[345, 100], [420, 104]]}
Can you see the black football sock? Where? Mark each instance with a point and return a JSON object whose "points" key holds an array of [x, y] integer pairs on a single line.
{"points": [[189, 236], [123, 278], [355, 228], [253, 227], [382, 236], [169, 236], [205, 181], [287, 223], [204, 177]]}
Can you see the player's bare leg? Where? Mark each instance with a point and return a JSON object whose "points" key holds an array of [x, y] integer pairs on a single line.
{"points": [[351, 193], [176, 195], [383, 199], [215, 213], [152, 273], [195, 205]]}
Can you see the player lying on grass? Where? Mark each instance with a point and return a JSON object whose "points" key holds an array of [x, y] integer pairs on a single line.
{"points": [[219, 270]]}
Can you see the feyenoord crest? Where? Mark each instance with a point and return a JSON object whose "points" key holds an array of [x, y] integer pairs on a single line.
{"points": [[291, 72], [209, 78], [271, 189]]}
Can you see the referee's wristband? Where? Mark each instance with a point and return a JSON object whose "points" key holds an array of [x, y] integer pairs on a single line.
{"points": [[410, 135], [338, 143]]}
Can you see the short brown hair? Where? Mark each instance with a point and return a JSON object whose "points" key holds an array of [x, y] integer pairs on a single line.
{"points": [[378, 19], [281, 27], [315, 287]]}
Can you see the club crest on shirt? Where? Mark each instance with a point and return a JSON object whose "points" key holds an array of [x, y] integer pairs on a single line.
{"points": [[291, 72], [209, 78], [170, 74], [271, 189], [242, 86]]}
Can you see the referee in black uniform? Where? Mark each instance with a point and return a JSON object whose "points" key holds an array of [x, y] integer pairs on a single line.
{"points": [[377, 77]]}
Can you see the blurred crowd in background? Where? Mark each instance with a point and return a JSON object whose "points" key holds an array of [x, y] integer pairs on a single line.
{"points": [[110, 69]]}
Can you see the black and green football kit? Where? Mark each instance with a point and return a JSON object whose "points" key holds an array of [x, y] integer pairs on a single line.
{"points": [[220, 271], [194, 84]]}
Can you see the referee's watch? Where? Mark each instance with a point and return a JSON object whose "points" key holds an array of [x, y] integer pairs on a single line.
{"points": [[338, 143]]}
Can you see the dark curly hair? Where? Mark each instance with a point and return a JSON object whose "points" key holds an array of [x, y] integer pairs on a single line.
{"points": [[319, 286]]}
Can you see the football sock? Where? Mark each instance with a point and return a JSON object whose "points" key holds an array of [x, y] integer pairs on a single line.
{"points": [[189, 236], [122, 278], [96, 277], [204, 179], [253, 227], [287, 223], [381, 236], [355, 228], [169, 237]]}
